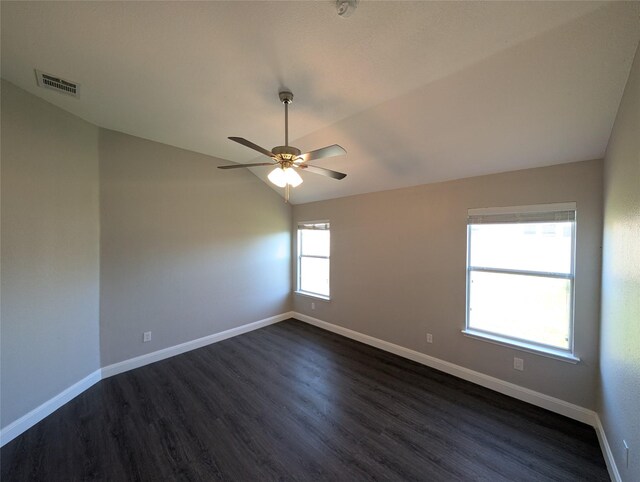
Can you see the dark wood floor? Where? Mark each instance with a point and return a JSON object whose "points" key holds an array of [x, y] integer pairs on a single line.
{"points": [[293, 402]]}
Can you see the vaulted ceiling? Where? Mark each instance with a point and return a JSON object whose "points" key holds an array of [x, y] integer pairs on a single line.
{"points": [[416, 92]]}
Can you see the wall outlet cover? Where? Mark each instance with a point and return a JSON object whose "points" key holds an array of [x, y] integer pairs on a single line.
{"points": [[518, 363]]}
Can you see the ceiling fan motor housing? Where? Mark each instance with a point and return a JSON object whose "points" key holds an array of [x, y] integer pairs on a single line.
{"points": [[287, 153]]}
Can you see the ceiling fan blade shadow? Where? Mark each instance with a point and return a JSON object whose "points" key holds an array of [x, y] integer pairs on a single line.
{"points": [[251, 145], [329, 151], [255, 164], [322, 171]]}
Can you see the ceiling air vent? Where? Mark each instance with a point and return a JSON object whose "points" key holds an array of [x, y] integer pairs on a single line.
{"points": [[54, 82]]}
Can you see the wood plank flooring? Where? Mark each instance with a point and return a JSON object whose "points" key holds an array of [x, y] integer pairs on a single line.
{"points": [[293, 402]]}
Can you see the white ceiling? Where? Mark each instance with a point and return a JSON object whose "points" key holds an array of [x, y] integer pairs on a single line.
{"points": [[416, 92]]}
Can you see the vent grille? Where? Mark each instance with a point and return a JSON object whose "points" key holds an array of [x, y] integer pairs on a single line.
{"points": [[58, 84]]}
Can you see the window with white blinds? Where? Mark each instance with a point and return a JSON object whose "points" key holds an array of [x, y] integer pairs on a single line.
{"points": [[520, 275], [314, 258]]}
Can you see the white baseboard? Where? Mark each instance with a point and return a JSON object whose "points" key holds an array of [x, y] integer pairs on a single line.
{"points": [[606, 451], [525, 394], [11, 431], [158, 355]]}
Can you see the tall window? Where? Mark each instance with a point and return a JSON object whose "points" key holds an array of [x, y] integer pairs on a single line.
{"points": [[520, 275], [313, 258]]}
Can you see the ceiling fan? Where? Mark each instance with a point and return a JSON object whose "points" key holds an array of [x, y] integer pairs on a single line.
{"points": [[286, 159]]}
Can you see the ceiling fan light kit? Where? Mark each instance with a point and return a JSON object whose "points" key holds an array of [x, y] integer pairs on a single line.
{"points": [[281, 177], [287, 159]]}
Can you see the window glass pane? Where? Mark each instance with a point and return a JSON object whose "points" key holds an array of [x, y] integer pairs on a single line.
{"points": [[314, 242], [526, 246], [531, 308], [314, 275]]}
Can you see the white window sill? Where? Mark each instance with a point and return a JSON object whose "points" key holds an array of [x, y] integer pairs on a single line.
{"points": [[524, 346], [313, 295]]}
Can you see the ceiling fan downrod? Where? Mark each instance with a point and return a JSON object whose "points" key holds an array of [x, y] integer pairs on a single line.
{"points": [[286, 98], [287, 153]]}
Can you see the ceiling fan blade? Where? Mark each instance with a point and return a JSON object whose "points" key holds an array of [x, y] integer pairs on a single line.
{"points": [[329, 151], [235, 166], [251, 145], [322, 171]]}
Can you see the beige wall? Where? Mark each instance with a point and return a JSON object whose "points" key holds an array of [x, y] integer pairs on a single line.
{"points": [[187, 250], [398, 270], [105, 236], [620, 337], [50, 252]]}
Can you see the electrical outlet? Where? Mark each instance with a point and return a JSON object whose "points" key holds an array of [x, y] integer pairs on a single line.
{"points": [[626, 453], [313, 305], [429, 338], [146, 336], [518, 363]]}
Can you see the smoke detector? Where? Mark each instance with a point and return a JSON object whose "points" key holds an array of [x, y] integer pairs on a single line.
{"points": [[54, 82], [346, 8]]}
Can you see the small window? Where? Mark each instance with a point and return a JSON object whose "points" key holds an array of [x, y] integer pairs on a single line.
{"points": [[520, 276], [314, 258]]}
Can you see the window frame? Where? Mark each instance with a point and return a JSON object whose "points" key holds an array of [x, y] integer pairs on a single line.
{"points": [[299, 257], [538, 348]]}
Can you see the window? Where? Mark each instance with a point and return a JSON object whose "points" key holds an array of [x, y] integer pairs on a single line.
{"points": [[313, 258], [520, 276]]}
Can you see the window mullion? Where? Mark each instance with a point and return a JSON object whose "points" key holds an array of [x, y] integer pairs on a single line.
{"points": [[542, 274], [313, 256]]}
